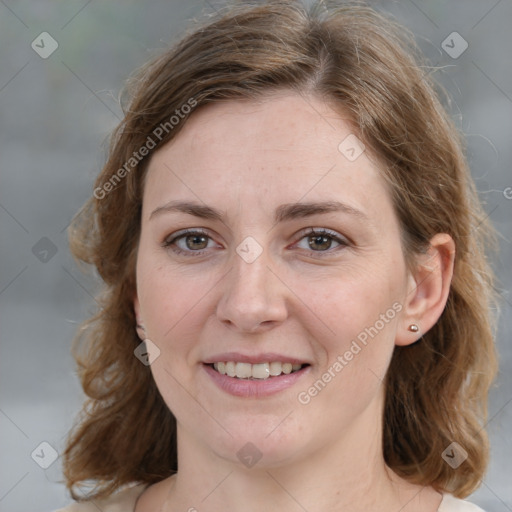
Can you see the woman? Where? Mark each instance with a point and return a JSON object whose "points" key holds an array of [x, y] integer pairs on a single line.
{"points": [[297, 302]]}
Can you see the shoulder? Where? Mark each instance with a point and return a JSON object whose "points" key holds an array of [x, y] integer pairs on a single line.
{"points": [[452, 504], [122, 501]]}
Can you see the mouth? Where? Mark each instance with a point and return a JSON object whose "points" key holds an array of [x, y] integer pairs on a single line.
{"points": [[255, 375], [258, 371]]}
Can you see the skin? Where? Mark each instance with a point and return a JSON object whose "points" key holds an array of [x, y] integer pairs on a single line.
{"points": [[246, 158]]}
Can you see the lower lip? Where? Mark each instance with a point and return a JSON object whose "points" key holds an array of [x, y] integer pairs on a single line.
{"points": [[254, 387]]}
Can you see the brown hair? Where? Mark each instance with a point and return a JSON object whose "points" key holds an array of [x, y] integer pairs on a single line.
{"points": [[368, 66]]}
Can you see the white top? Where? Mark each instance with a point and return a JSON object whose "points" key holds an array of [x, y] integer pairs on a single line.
{"points": [[125, 500]]}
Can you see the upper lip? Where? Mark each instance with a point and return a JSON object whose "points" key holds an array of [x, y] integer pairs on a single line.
{"points": [[266, 357]]}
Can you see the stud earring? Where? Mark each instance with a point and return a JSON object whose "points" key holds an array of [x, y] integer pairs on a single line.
{"points": [[413, 328]]}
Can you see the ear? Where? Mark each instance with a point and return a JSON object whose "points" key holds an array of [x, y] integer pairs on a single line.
{"points": [[427, 289], [140, 324]]}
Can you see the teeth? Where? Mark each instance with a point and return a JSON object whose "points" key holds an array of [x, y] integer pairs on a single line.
{"points": [[287, 368], [275, 368], [243, 370], [260, 371], [255, 371], [230, 369]]}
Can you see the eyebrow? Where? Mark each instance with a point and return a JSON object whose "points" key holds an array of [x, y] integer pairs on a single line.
{"points": [[284, 212]]}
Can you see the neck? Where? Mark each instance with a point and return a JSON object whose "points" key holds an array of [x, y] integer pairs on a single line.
{"points": [[348, 476]]}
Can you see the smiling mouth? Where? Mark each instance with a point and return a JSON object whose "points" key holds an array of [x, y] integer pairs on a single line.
{"points": [[259, 371]]}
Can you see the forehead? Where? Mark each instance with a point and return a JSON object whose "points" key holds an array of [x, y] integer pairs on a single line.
{"points": [[282, 148], [278, 123]]}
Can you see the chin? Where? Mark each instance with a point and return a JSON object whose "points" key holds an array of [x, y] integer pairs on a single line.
{"points": [[258, 443]]}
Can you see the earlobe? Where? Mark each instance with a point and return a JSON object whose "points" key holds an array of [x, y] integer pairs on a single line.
{"points": [[141, 330], [428, 290]]}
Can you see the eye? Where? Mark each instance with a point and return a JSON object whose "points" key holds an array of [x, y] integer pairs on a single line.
{"points": [[191, 241], [195, 242], [321, 240]]}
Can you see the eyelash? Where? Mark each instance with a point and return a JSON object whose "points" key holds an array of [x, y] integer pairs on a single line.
{"points": [[169, 242]]}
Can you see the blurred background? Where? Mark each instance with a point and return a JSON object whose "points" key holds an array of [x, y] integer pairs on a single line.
{"points": [[62, 65]]}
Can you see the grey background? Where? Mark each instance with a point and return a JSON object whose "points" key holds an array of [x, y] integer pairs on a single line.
{"points": [[55, 114]]}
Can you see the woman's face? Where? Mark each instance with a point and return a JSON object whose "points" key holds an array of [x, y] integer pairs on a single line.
{"points": [[293, 257]]}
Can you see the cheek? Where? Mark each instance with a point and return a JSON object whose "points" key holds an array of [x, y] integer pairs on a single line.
{"points": [[174, 310], [354, 325], [170, 298], [347, 302], [358, 353]]}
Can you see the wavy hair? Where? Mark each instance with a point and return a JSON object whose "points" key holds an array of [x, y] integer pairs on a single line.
{"points": [[368, 66]]}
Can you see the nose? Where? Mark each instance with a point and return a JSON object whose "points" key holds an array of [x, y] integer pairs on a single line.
{"points": [[253, 297]]}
